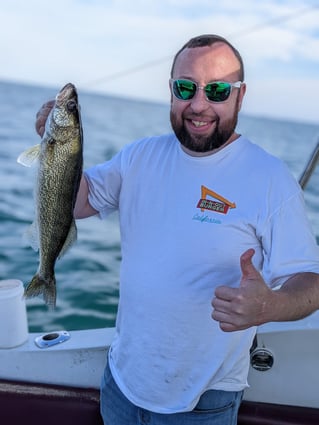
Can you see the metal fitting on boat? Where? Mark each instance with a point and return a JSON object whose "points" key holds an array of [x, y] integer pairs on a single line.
{"points": [[261, 359]]}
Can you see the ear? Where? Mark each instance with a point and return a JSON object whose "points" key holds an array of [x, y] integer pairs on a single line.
{"points": [[170, 89], [242, 92]]}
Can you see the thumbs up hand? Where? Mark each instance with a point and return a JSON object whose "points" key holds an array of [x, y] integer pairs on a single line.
{"points": [[240, 308]]}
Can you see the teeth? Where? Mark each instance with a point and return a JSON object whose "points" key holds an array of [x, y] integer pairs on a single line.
{"points": [[199, 123]]}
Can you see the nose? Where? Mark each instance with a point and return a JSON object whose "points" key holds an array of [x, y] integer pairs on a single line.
{"points": [[199, 102]]}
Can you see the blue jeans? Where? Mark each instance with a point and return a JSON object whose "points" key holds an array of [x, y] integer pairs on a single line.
{"points": [[214, 407]]}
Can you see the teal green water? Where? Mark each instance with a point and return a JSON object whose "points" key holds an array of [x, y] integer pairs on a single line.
{"points": [[88, 274]]}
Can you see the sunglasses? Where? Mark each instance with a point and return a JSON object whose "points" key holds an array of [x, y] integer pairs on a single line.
{"points": [[218, 91]]}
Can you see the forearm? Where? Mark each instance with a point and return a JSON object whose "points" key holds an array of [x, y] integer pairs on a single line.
{"points": [[82, 207], [297, 298]]}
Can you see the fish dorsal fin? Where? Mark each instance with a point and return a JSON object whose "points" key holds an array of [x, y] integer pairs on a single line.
{"points": [[29, 156]]}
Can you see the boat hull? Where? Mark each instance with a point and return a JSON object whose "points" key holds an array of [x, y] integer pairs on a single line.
{"points": [[52, 404]]}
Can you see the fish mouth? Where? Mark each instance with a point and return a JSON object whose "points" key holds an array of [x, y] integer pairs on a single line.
{"points": [[67, 92]]}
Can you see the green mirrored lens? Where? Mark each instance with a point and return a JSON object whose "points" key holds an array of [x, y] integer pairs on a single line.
{"points": [[184, 89], [218, 92]]}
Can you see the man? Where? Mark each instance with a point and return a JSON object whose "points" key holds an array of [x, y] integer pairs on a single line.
{"points": [[210, 224]]}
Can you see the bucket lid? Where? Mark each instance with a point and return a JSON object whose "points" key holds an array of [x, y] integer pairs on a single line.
{"points": [[10, 288]]}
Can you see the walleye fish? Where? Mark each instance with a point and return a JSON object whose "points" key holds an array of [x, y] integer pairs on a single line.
{"points": [[60, 161]]}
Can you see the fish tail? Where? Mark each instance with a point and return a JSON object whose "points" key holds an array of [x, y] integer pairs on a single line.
{"points": [[41, 286]]}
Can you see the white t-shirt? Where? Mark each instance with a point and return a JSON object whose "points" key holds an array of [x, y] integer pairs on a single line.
{"points": [[184, 223]]}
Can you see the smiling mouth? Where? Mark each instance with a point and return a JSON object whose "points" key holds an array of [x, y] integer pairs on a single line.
{"points": [[201, 126], [199, 123]]}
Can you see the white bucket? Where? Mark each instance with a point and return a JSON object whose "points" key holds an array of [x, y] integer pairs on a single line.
{"points": [[13, 314]]}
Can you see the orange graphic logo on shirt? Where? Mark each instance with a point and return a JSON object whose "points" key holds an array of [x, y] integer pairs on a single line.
{"points": [[218, 203]]}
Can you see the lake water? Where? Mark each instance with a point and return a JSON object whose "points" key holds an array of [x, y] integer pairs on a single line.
{"points": [[88, 275]]}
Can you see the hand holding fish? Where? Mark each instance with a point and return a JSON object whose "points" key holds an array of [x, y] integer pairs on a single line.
{"points": [[42, 116], [240, 308]]}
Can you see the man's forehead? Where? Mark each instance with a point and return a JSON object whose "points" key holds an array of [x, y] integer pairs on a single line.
{"points": [[218, 49], [218, 56]]}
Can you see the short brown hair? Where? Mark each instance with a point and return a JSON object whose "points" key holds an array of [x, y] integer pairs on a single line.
{"points": [[209, 40]]}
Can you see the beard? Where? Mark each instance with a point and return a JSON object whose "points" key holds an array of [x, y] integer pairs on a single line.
{"points": [[197, 143]]}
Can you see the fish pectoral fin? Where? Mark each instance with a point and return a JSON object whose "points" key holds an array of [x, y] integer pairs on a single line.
{"points": [[70, 239], [29, 156]]}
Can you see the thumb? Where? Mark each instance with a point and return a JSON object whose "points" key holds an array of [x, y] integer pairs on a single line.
{"points": [[247, 268]]}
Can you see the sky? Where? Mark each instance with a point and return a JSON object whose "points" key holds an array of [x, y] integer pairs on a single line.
{"points": [[125, 47]]}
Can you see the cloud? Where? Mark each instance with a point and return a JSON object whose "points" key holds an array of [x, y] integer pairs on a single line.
{"points": [[99, 45]]}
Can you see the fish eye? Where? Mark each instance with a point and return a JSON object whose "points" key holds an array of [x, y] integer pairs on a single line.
{"points": [[71, 105]]}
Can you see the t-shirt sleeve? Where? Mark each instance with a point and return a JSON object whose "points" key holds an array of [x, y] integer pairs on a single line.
{"points": [[289, 243], [105, 182]]}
